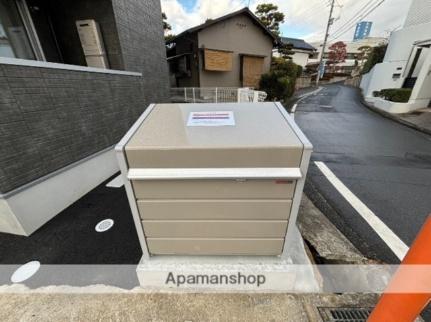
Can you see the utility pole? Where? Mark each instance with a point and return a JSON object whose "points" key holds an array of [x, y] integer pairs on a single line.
{"points": [[330, 21]]}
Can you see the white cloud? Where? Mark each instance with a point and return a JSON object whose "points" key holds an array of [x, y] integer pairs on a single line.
{"points": [[204, 9], [307, 18]]}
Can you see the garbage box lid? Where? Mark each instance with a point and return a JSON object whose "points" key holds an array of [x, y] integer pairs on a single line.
{"points": [[214, 135]]}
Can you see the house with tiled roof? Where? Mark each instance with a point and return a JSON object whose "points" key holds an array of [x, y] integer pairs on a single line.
{"points": [[302, 50]]}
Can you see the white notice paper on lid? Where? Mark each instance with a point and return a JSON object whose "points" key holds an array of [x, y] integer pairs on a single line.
{"points": [[213, 118]]}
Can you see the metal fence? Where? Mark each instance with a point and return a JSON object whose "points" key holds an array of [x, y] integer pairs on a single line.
{"points": [[216, 95]]}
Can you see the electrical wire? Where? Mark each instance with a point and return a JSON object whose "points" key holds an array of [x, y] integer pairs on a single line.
{"points": [[367, 6], [311, 9], [360, 18]]}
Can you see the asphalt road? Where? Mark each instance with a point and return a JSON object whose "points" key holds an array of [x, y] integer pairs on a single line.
{"points": [[385, 164]]}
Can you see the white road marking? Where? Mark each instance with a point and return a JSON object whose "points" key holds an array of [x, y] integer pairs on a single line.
{"points": [[326, 106], [398, 247], [309, 94], [117, 182], [293, 110], [25, 271]]}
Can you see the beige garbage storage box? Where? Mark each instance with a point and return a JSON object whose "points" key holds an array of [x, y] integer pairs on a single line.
{"points": [[214, 179]]}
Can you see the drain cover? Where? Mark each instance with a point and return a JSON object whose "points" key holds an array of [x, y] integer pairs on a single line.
{"points": [[25, 271], [104, 225], [345, 314]]}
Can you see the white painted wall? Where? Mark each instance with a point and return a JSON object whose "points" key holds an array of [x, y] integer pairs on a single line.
{"points": [[381, 77], [419, 13], [300, 58], [422, 91], [397, 60], [24, 210], [401, 41]]}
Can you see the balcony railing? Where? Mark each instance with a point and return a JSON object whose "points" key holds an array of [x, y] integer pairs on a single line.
{"points": [[216, 95]]}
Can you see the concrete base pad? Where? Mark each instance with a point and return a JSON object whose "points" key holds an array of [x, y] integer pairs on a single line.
{"points": [[231, 273]]}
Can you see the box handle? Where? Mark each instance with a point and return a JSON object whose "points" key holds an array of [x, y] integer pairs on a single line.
{"points": [[213, 173]]}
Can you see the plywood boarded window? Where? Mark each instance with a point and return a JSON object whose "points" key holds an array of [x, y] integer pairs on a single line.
{"points": [[217, 60], [252, 69]]}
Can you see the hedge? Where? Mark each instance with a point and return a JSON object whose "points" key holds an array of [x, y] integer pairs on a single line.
{"points": [[400, 95]]}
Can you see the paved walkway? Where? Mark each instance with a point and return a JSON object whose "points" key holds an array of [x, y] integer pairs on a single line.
{"points": [[173, 307], [420, 119]]}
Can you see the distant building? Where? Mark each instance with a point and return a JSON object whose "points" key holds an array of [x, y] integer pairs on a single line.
{"points": [[302, 50], [231, 51], [362, 30], [407, 63], [353, 60]]}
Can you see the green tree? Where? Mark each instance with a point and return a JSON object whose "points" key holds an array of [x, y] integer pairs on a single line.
{"points": [[269, 15], [285, 50], [361, 57], [166, 26], [286, 66], [279, 83], [376, 56]]}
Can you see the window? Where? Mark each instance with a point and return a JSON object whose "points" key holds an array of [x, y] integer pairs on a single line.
{"points": [[14, 41]]}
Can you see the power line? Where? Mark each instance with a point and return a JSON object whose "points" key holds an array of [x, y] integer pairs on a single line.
{"points": [[311, 9], [360, 18], [359, 12]]}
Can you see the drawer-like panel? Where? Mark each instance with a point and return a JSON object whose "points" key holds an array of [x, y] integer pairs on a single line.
{"points": [[178, 209], [215, 228], [213, 189], [208, 246]]}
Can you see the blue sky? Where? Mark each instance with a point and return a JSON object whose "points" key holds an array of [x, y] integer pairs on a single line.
{"points": [[188, 4], [304, 18], [292, 31]]}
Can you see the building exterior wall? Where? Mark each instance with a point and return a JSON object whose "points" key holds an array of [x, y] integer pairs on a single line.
{"points": [[400, 50], [240, 35], [51, 118], [140, 30], [401, 41], [300, 58], [419, 13]]}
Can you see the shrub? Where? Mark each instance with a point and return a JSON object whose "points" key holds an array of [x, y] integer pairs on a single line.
{"points": [[277, 86], [401, 95], [279, 83], [286, 67], [377, 93]]}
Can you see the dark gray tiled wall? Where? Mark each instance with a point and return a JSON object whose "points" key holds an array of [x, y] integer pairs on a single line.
{"points": [[140, 30], [50, 118]]}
